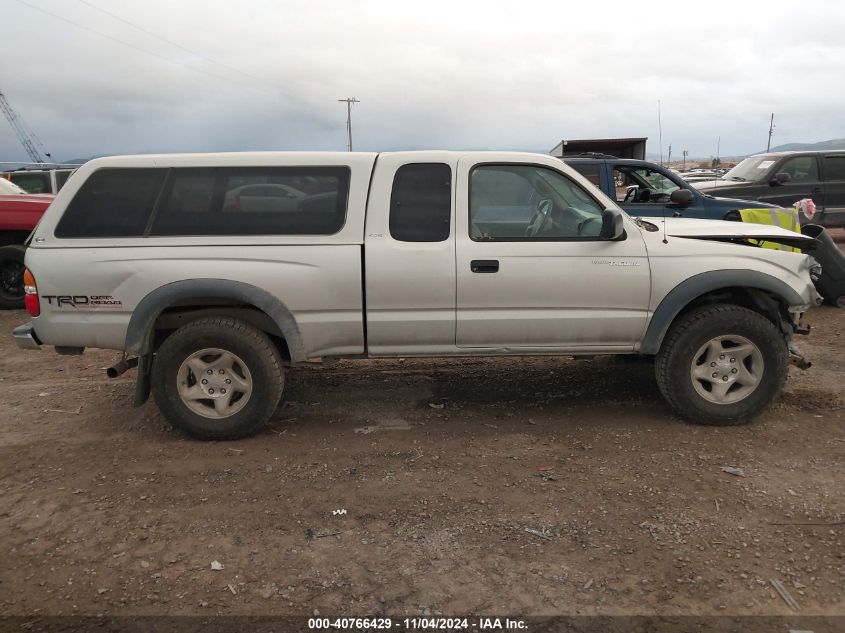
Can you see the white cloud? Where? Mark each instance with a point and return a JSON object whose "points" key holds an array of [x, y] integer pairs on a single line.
{"points": [[434, 74]]}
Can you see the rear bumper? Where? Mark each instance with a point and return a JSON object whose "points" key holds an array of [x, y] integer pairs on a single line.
{"points": [[25, 337]]}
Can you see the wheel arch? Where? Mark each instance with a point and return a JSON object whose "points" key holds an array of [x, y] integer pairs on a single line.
{"points": [[755, 285], [140, 333]]}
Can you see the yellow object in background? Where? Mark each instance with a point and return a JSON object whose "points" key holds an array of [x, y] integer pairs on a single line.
{"points": [[783, 218]]}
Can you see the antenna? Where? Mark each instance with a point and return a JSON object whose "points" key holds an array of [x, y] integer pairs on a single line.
{"points": [[349, 101], [660, 132]]}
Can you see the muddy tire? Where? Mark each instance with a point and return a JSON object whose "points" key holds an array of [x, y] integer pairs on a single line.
{"points": [[722, 365], [11, 277], [217, 378]]}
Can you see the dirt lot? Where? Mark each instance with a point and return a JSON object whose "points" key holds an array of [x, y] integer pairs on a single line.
{"points": [[515, 486]]}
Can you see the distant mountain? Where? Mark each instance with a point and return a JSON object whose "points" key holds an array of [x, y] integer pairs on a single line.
{"points": [[836, 143], [78, 161]]}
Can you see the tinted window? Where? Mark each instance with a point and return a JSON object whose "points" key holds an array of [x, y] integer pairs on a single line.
{"points": [[61, 178], [834, 167], [529, 202], [253, 201], [800, 168], [421, 203], [590, 171], [112, 203], [32, 183]]}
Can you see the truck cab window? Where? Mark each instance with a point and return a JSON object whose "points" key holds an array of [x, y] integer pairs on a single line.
{"points": [[421, 203], [642, 184], [510, 202], [801, 169], [590, 171]]}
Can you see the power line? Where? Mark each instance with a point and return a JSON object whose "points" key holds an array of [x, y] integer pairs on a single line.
{"points": [[128, 44], [176, 44]]}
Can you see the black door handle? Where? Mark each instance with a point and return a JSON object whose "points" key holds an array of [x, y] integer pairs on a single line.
{"points": [[817, 189], [484, 265], [676, 214]]}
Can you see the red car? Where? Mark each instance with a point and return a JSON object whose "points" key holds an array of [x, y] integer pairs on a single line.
{"points": [[19, 213]]}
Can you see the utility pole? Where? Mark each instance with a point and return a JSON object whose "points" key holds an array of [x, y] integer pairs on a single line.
{"points": [[771, 128], [660, 132], [685, 153], [349, 101]]}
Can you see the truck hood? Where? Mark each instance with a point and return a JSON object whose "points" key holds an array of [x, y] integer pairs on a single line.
{"points": [[738, 232], [709, 185], [741, 204]]}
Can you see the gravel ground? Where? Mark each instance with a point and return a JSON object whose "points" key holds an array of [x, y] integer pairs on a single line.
{"points": [[518, 486]]}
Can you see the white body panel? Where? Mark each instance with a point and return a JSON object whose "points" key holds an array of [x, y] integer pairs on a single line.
{"points": [[410, 285], [570, 295], [316, 283]]}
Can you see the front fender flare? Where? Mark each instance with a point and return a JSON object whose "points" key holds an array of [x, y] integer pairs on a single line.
{"points": [[690, 289]]}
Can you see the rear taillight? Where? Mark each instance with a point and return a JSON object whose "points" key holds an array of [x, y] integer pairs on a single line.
{"points": [[30, 297]]}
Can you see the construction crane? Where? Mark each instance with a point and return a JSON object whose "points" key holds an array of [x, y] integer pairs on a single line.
{"points": [[27, 138]]}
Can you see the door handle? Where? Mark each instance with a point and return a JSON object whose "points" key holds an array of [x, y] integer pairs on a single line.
{"points": [[676, 214], [817, 189], [484, 265]]}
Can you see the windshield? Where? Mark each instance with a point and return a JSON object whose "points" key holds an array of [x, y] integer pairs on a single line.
{"points": [[752, 169], [7, 187]]}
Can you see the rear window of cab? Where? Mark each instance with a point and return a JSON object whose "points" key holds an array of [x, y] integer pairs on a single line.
{"points": [[208, 201]]}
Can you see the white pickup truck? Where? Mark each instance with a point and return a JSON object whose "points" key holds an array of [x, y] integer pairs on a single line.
{"points": [[212, 272]]}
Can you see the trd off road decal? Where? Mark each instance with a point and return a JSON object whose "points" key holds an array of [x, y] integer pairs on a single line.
{"points": [[83, 301]]}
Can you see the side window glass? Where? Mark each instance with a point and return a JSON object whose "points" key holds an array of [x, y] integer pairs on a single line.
{"points": [[112, 203], [801, 169], [517, 202], [421, 203], [253, 201], [641, 184], [61, 178], [32, 183], [834, 167], [590, 171]]}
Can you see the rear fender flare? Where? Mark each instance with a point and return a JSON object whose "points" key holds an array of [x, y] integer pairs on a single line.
{"points": [[139, 332]]}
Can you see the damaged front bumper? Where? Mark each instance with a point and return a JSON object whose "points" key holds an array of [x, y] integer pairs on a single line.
{"points": [[799, 326]]}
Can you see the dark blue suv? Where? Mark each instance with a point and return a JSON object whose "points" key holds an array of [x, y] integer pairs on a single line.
{"points": [[646, 189]]}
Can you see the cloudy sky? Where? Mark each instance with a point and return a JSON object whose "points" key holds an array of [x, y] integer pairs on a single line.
{"points": [[95, 77]]}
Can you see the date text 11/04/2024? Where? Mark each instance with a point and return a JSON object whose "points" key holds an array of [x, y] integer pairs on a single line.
{"points": [[411, 624]]}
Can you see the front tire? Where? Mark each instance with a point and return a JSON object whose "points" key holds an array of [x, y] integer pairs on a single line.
{"points": [[11, 277], [217, 378], [722, 365]]}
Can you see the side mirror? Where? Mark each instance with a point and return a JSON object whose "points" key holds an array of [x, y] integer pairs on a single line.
{"points": [[612, 225], [682, 197], [781, 178]]}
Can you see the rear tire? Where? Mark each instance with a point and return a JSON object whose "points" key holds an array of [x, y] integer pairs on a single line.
{"points": [[11, 276], [217, 378], [722, 365]]}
